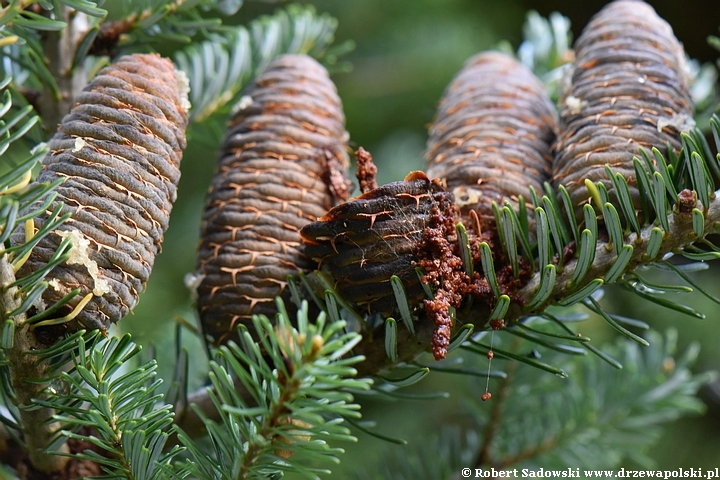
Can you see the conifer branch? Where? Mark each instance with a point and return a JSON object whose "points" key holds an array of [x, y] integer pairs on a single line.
{"points": [[298, 380], [614, 414], [219, 70], [679, 235], [25, 370], [119, 408], [409, 346]]}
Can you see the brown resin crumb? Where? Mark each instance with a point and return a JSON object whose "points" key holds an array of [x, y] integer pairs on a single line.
{"points": [[443, 267], [438, 255], [334, 176], [497, 324], [686, 201], [366, 170]]}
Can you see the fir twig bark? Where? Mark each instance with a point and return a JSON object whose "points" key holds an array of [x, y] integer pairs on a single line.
{"points": [[24, 369], [59, 51]]}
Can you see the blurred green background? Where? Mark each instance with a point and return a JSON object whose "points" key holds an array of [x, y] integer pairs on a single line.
{"points": [[406, 52]]}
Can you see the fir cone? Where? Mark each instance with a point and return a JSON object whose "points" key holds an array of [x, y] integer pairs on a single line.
{"points": [[364, 242], [628, 90], [491, 139], [283, 165], [119, 151]]}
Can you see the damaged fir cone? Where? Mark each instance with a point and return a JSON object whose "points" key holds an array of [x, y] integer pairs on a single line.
{"points": [[283, 165], [119, 152], [405, 229], [628, 89], [367, 240], [492, 135]]}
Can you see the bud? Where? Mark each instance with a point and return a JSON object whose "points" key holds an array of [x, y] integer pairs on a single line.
{"points": [[292, 437]]}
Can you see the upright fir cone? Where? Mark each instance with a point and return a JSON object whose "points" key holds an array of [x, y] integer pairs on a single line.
{"points": [[628, 90], [492, 135], [119, 152], [283, 165], [405, 229]]}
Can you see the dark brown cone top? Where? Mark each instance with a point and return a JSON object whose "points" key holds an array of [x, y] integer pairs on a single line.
{"points": [[364, 242]]}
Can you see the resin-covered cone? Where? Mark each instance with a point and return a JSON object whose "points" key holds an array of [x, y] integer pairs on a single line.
{"points": [[283, 165], [628, 90], [491, 139], [119, 152]]}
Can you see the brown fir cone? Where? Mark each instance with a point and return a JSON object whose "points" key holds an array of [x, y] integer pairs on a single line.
{"points": [[119, 152], [364, 242], [491, 139], [628, 90], [283, 165]]}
